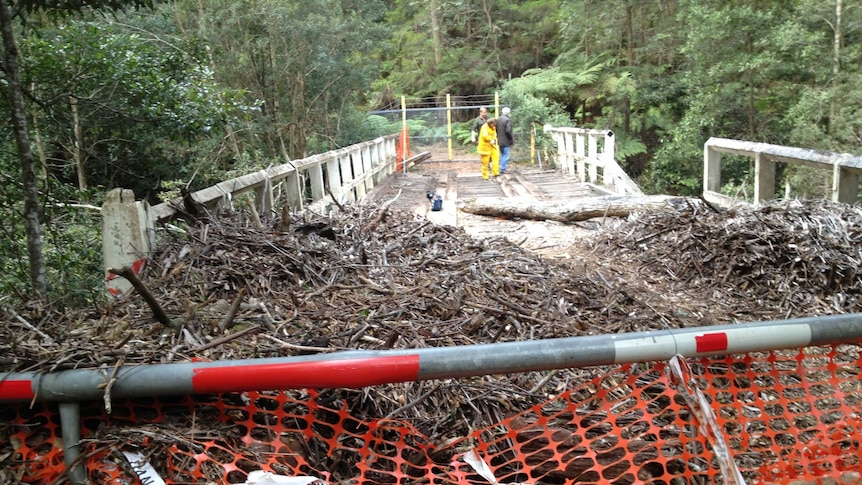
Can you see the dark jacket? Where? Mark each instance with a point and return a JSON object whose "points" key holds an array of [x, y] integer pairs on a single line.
{"points": [[505, 138], [477, 125]]}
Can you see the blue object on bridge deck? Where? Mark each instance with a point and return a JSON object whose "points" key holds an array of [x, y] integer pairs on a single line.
{"points": [[437, 203]]}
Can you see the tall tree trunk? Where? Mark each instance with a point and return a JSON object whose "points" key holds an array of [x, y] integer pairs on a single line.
{"points": [[42, 172], [299, 114], [76, 144], [630, 34], [276, 96], [231, 136], [627, 115], [492, 35], [836, 59], [630, 60], [435, 35], [586, 29], [25, 155], [752, 112]]}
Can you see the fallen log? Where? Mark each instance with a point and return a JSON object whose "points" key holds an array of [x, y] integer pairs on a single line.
{"points": [[572, 210]]}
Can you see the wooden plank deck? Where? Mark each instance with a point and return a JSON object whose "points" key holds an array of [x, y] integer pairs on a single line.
{"points": [[457, 182]]}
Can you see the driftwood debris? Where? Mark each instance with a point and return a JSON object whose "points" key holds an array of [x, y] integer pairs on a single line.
{"points": [[370, 277], [570, 210], [359, 279], [803, 257]]}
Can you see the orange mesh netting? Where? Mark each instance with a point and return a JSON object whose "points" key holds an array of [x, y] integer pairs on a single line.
{"points": [[780, 416]]}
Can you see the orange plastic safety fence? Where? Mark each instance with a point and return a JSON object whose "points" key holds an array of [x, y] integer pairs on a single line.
{"points": [[789, 415], [783, 415], [31, 436]]}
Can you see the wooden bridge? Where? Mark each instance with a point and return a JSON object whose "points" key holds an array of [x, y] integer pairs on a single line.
{"points": [[584, 168], [457, 183]]}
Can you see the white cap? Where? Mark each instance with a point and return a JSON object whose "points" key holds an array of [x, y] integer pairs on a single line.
{"points": [[506, 110]]}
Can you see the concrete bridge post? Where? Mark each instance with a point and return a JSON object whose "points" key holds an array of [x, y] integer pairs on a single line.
{"points": [[263, 197], [764, 178], [127, 236], [845, 184], [356, 163], [569, 158], [377, 162], [711, 170], [568, 155], [293, 190], [333, 178], [385, 149], [347, 175], [315, 176], [367, 167]]}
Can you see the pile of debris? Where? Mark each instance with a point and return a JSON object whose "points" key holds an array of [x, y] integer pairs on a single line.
{"points": [[794, 258], [370, 278]]}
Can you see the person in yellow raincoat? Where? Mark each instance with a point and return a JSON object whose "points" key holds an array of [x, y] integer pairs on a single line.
{"points": [[487, 148]]}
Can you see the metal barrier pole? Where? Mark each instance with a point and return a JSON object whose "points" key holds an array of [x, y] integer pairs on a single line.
{"points": [[404, 137], [355, 369], [70, 426], [449, 124]]}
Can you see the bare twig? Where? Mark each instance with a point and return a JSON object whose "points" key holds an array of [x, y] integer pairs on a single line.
{"points": [[227, 321], [228, 338], [286, 345], [110, 384], [335, 200], [141, 288], [30, 327]]}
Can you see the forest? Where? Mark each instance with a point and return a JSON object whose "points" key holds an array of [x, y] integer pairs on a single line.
{"points": [[156, 96]]}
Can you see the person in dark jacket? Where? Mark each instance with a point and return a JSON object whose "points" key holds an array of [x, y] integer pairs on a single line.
{"points": [[477, 124], [505, 138]]}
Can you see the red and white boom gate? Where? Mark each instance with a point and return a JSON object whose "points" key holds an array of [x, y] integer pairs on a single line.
{"points": [[355, 369]]}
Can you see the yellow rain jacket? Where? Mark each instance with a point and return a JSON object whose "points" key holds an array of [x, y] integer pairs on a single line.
{"points": [[487, 140]]}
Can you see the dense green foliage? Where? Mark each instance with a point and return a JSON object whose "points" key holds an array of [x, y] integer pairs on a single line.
{"points": [[190, 92], [132, 103]]}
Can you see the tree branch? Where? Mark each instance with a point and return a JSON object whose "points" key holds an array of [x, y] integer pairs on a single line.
{"points": [[127, 273]]}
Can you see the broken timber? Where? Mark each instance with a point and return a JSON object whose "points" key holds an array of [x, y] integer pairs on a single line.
{"points": [[571, 210]]}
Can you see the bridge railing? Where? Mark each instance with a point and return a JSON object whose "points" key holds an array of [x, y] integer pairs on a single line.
{"points": [[590, 155], [128, 225], [845, 169]]}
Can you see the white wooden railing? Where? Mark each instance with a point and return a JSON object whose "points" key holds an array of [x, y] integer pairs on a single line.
{"points": [[348, 174], [590, 155], [845, 169]]}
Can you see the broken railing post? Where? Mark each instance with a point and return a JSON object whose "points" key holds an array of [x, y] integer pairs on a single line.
{"points": [[127, 236]]}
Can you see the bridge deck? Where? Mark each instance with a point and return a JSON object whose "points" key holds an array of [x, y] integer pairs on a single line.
{"points": [[457, 182]]}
